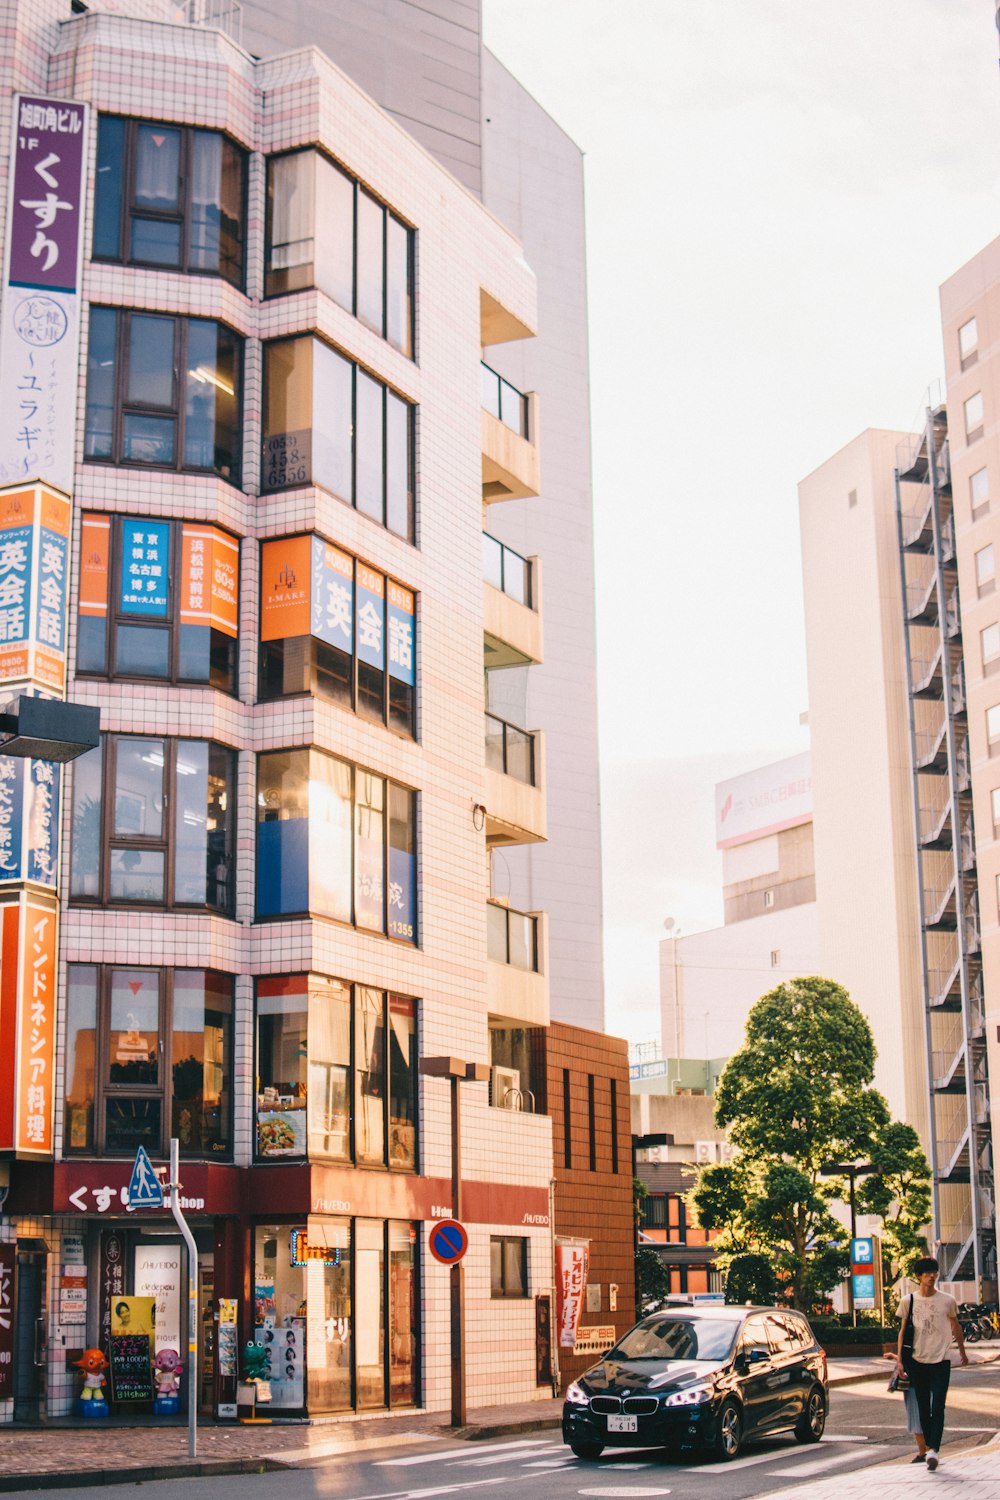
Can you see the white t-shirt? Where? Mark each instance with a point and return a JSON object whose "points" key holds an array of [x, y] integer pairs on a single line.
{"points": [[932, 1336]]}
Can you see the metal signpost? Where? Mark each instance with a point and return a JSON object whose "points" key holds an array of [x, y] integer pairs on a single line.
{"points": [[146, 1191]]}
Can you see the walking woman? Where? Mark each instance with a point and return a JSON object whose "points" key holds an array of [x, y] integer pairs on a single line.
{"points": [[929, 1323]]}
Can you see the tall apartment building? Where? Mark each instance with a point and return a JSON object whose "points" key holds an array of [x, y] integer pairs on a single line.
{"points": [[279, 443], [710, 980], [898, 687], [426, 66]]}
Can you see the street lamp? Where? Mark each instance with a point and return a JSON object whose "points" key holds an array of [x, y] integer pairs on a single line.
{"points": [[456, 1071], [48, 729]]}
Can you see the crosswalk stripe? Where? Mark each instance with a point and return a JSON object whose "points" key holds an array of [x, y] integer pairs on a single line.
{"points": [[820, 1466], [516, 1449]]}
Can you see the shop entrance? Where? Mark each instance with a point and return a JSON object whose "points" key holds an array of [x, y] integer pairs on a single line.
{"points": [[30, 1331]]}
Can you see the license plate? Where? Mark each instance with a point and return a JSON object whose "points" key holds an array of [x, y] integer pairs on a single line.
{"points": [[623, 1424]]}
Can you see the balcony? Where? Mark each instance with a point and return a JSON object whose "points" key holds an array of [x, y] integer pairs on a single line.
{"points": [[509, 439], [515, 802], [512, 619], [517, 953]]}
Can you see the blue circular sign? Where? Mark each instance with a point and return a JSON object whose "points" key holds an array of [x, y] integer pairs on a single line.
{"points": [[448, 1242]]}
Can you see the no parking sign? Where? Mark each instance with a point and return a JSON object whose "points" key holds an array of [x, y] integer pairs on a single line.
{"points": [[448, 1242]]}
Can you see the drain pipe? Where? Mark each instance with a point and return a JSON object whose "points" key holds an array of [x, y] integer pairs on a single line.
{"points": [[553, 1318]]}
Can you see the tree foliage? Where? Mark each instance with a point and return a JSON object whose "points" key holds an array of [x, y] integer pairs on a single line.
{"points": [[652, 1279], [751, 1278], [796, 1097], [899, 1191]]}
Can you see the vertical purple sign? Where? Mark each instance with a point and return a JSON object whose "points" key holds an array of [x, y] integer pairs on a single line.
{"points": [[46, 202]]}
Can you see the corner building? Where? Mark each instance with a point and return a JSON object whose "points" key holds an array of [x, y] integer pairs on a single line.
{"points": [[275, 890]]}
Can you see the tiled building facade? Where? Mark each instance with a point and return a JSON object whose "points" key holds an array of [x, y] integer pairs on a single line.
{"points": [[275, 886]]}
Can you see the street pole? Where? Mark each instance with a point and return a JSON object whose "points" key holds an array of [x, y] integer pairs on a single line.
{"points": [[192, 1251], [457, 1271]]}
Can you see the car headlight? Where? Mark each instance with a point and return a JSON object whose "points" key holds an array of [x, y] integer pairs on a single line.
{"points": [[576, 1395], [691, 1395]]}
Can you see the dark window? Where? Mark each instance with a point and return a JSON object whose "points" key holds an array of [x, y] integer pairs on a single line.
{"points": [[325, 230], [508, 1266], [152, 823], [614, 1125], [361, 830], [654, 1211], [163, 391], [336, 1072], [148, 1056], [326, 422], [567, 1121], [169, 197], [592, 1122], [359, 650], [158, 599]]}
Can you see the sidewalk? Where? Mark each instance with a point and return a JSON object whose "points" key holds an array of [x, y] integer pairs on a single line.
{"points": [[977, 1471], [71, 1452]]}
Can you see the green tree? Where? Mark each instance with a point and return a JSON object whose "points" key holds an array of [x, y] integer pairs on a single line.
{"points": [[796, 1097], [899, 1192], [751, 1278], [652, 1279]]}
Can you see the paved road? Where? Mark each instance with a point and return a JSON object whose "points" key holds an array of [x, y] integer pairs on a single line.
{"points": [[867, 1427]]}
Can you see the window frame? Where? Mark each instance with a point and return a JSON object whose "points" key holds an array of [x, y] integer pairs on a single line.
{"points": [[503, 1294], [163, 1091], [183, 216], [351, 1160], [389, 214], [315, 647], [167, 842], [309, 913], [974, 431], [312, 481], [170, 624], [968, 348], [122, 407]]}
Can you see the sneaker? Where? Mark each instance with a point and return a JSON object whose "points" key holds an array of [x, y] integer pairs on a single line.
{"points": [[932, 1460], [921, 1458]]}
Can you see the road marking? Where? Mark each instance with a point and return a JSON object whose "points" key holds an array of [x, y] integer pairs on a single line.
{"points": [[432, 1458], [447, 1489], [820, 1466], [732, 1466], [622, 1490]]}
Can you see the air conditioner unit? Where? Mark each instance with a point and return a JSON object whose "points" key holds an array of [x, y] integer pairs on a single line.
{"points": [[704, 1151], [727, 1151], [505, 1085]]}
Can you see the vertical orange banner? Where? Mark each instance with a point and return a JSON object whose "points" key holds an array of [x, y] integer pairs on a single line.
{"points": [[36, 1029], [285, 588], [95, 547], [10, 927]]}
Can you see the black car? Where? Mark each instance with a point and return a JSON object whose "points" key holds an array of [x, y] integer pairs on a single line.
{"points": [[702, 1378]]}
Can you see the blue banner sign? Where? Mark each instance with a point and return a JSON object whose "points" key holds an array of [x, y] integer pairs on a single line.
{"points": [[145, 568]]}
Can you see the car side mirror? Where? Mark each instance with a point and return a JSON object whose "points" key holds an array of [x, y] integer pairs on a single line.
{"points": [[757, 1356]]}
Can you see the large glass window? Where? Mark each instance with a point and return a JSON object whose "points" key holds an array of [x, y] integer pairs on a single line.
{"points": [[364, 865], [331, 626], [508, 1266], [324, 230], [152, 823], [163, 391], [336, 1072], [149, 1055], [158, 599], [169, 197], [336, 1310], [326, 422]]}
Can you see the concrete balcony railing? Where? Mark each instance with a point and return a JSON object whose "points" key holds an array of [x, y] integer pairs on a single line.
{"points": [[512, 606], [515, 800], [509, 440], [517, 986]]}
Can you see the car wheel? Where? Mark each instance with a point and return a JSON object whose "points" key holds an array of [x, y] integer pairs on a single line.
{"points": [[728, 1432], [587, 1450], [812, 1423]]}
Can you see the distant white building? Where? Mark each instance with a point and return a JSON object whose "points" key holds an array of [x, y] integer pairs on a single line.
{"points": [[710, 980]]}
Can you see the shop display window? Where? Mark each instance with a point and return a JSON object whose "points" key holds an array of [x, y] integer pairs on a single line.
{"points": [[148, 1055], [336, 1072], [336, 1308]]}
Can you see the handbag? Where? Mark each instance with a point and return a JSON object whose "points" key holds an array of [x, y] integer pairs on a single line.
{"points": [[902, 1382]]}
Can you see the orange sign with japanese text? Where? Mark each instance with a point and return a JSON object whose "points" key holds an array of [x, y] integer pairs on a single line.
{"points": [[284, 588], [34, 573], [95, 544], [210, 573]]}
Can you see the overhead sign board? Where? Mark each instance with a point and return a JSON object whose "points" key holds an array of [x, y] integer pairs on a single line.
{"points": [[763, 801]]}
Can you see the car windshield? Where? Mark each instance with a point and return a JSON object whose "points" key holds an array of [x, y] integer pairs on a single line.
{"points": [[678, 1338]]}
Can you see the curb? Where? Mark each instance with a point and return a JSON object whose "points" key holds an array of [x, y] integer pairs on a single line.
{"points": [[506, 1429], [88, 1478]]}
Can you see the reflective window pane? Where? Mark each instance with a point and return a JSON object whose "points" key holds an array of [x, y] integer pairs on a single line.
{"points": [[330, 879], [288, 413], [151, 360], [369, 1250], [134, 1034], [398, 477], [403, 1313], [291, 218], [368, 428], [398, 315], [101, 370], [330, 1070], [156, 242], [148, 440], [142, 651], [131, 1122], [81, 1052], [108, 187], [402, 1083], [211, 413], [332, 408], [136, 874], [369, 1053], [85, 864], [157, 168], [335, 233], [282, 1054], [201, 1094], [138, 806], [206, 209], [283, 833], [369, 869], [371, 237]]}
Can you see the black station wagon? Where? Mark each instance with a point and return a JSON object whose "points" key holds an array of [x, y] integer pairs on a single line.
{"points": [[705, 1378]]}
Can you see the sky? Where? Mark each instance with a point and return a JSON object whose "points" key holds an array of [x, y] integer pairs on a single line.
{"points": [[775, 191]]}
